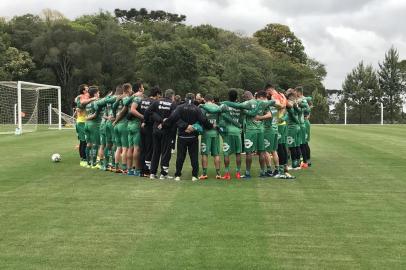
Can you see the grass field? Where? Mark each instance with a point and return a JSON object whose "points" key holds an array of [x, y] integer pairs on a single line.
{"points": [[347, 212]]}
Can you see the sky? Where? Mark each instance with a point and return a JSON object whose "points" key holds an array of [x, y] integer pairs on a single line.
{"points": [[338, 33]]}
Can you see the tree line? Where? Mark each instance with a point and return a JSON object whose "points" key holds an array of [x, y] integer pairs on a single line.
{"points": [[364, 89], [157, 47]]}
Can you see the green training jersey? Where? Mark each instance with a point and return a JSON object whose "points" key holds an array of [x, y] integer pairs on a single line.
{"points": [[292, 117], [132, 118], [272, 123], [95, 107], [212, 117], [119, 105], [233, 119]]}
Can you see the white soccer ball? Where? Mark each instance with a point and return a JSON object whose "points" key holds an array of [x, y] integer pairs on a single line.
{"points": [[56, 157]]}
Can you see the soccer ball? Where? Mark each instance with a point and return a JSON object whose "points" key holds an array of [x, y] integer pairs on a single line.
{"points": [[56, 157]]}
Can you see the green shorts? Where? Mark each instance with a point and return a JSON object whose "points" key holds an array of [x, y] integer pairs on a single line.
{"points": [[302, 134], [210, 145], [254, 141], [109, 132], [232, 144], [270, 140], [282, 134], [307, 125], [293, 136], [134, 134], [92, 131], [121, 134], [80, 130]]}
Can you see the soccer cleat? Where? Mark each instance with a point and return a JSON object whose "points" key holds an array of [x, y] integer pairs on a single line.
{"points": [[125, 172], [118, 171], [218, 177], [130, 173], [177, 178], [304, 165], [83, 163], [203, 177], [238, 175], [226, 176], [289, 176], [246, 176], [194, 179], [137, 173], [263, 175], [163, 177], [152, 176], [296, 168]]}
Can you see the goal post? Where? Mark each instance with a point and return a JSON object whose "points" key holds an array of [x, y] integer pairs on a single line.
{"points": [[27, 106]]}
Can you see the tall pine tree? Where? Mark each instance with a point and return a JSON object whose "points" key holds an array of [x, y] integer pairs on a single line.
{"points": [[390, 81]]}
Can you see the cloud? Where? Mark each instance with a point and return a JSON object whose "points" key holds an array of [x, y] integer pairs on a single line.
{"points": [[338, 33], [295, 8]]}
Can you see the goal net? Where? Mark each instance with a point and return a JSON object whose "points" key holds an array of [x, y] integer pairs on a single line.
{"points": [[27, 107]]}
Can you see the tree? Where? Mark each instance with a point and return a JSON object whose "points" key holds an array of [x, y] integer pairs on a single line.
{"points": [[142, 15], [320, 108], [361, 93], [390, 81], [279, 38]]}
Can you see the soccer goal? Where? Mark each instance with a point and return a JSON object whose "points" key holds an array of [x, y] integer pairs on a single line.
{"points": [[27, 107]]}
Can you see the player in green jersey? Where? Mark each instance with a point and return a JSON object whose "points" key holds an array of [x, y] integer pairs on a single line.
{"points": [[293, 128], [233, 120], [120, 123], [304, 105], [210, 140], [135, 119], [92, 127], [105, 132], [254, 130], [271, 140]]}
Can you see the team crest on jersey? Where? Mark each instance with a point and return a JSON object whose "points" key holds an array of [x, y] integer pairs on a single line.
{"points": [[290, 140], [203, 147], [267, 143], [226, 147], [279, 136], [248, 143]]}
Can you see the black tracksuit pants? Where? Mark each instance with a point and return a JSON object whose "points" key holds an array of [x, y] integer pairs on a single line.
{"points": [[185, 145], [161, 152], [146, 149]]}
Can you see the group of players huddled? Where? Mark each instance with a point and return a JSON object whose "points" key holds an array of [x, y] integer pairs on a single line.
{"points": [[129, 132]]}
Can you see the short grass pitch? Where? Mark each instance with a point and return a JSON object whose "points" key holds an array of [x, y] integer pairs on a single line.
{"points": [[346, 212]]}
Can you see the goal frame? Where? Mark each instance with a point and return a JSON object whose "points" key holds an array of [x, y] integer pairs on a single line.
{"points": [[36, 87]]}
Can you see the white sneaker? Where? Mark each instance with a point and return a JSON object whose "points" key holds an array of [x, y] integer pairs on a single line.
{"points": [[177, 178], [194, 179], [163, 177], [152, 176]]}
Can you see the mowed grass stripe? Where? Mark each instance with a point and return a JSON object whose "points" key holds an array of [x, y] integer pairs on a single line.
{"points": [[210, 225], [60, 216], [338, 220], [347, 212]]}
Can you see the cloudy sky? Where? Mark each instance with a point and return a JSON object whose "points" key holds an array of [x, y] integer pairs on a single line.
{"points": [[338, 33]]}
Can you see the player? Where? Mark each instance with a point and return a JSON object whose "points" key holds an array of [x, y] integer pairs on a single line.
{"points": [[254, 130], [134, 131], [81, 101], [293, 128], [162, 140], [190, 122], [146, 130], [210, 141], [121, 130]]}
